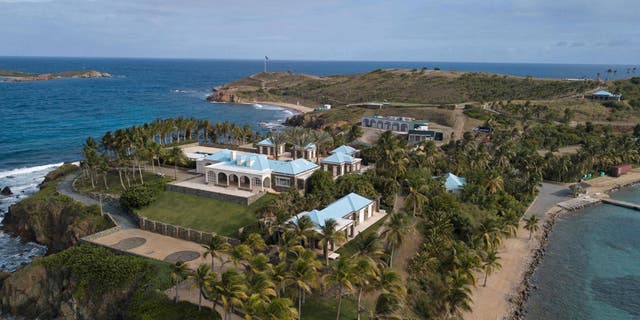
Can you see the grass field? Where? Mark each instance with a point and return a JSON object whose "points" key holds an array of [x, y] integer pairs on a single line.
{"points": [[319, 308], [204, 214]]}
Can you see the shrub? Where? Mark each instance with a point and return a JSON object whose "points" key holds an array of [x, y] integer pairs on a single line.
{"points": [[138, 197]]}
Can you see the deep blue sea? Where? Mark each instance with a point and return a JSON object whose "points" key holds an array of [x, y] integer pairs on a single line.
{"points": [[45, 123], [591, 269]]}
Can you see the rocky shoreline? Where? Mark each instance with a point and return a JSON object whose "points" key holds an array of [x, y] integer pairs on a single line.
{"points": [[519, 300]]}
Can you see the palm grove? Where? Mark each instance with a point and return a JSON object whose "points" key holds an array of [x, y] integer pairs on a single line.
{"points": [[280, 265]]}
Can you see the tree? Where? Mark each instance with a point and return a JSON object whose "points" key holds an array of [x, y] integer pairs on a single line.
{"points": [[256, 242], [277, 139], [355, 183], [321, 187], [303, 273], [365, 276], [495, 184], [394, 231], [302, 229], [355, 132], [179, 272], [531, 225], [239, 253], [232, 290], [176, 156], [415, 198], [340, 276], [137, 197], [200, 279], [329, 237], [215, 248], [490, 264]]}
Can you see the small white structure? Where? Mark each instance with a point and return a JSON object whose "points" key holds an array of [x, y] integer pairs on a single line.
{"points": [[605, 95], [341, 161], [268, 148], [324, 107]]}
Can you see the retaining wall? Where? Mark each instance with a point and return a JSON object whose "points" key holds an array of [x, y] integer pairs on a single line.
{"points": [[179, 232], [214, 195]]}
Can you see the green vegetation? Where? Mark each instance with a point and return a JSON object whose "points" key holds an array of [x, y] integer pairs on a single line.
{"points": [[83, 183], [129, 282], [403, 86], [352, 247], [323, 307], [9, 73], [138, 197], [203, 214]]}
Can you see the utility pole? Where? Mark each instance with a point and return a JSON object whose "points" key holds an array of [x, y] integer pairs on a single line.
{"points": [[265, 63]]}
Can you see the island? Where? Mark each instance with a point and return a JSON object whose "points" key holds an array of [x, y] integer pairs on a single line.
{"points": [[18, 76]]}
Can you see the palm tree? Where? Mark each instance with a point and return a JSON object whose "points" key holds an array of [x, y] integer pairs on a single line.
{"points": [[302, 228], [232, 290], [329, 237], [200, 279], [340, 276], [215, 248], [179, 272], [395, 230], [365, 276], [495, 184], [458, 296], [531, 225], [277, 139], [239, 253], [415, 199], [303, 274], [368, 245], [176, 156], [280, 309], [490, 264]]}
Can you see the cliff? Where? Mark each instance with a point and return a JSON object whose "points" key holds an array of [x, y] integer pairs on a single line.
{"points": [[87, 282], [52, 219], [16, 76]]}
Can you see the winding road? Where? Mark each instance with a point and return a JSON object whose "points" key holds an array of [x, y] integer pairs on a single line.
{"points": [[123, 219]]}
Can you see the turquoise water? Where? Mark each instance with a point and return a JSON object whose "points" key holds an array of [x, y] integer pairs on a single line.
{"points": [[591, 269]]}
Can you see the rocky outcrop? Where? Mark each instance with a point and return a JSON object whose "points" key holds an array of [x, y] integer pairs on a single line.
{"points": [[54, 220], [80, 283], [223, 95], [6, 191], [54, 76]]}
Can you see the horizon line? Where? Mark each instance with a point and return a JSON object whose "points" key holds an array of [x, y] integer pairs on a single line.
{"points": [[312, 60]]}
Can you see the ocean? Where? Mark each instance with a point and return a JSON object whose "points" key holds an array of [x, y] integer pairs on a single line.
{"points": [[45, 123], [591, 269]]}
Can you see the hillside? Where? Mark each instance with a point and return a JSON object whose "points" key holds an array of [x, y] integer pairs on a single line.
{"points": [[398, 86]]}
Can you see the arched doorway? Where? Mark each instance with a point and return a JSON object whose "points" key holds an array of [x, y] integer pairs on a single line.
{"points": [[222, 179], [233, 180], [245, 182], [266, 183]]}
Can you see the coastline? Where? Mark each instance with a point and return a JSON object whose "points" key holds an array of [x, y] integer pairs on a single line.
{"points": [[291, 106], [507, 289]]}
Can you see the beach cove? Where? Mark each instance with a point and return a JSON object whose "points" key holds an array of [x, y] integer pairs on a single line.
{"points": [[506, 295]]}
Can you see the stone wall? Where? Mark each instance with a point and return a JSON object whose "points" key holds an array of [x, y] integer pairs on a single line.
{"points": [[215, 195], [179, 232]]}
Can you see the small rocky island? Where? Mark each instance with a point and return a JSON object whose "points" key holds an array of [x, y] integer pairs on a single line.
{"points": [[17, 76]]}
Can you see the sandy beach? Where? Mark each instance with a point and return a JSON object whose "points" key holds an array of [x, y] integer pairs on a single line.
{"points": [[292, 106], [499, 299]]}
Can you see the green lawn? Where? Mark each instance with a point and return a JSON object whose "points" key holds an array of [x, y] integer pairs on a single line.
{"points": [[205, 214], [320, 308], [349, 249], [83, 184]]}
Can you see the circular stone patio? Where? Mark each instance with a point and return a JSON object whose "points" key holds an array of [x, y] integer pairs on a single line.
{"points": [[129, 243], [183, 256]]}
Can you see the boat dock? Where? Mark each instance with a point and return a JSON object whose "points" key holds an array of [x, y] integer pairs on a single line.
{"points": [[623, 204], [578, 203]]}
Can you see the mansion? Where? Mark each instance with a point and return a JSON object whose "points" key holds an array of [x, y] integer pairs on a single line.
{"points": [[254, 172]]}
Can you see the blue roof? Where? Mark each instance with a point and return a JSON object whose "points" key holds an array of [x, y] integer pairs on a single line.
{"points": [[454, 182], [345, 149], [339, 157], [604, 93], [291, 167], [338, 209], [266, 142], [251, 160]]}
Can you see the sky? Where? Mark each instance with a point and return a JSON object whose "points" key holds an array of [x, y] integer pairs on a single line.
{"points": [[538, 31]]}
